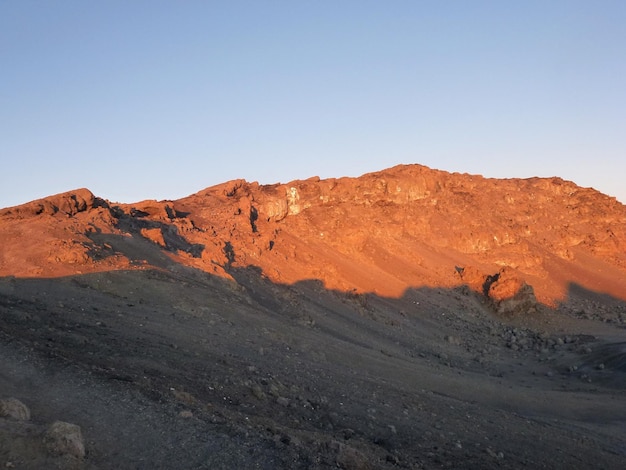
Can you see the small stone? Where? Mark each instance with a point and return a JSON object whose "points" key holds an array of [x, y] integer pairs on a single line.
{"points": [[495, 455], [274, 390], [185, 414], [283, 401], [15, 409], [392, 459], [257, 391], [347, 433], [453, 340]]}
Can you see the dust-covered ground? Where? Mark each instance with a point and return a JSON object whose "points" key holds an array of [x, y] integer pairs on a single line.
{"points": [[178, 369]]}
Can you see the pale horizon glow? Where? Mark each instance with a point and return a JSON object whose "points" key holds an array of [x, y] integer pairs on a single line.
{"points": [[158, 100]]}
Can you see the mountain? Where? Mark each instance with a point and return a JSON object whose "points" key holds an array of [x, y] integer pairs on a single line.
{"points": [[408, 318], [382, 233]]}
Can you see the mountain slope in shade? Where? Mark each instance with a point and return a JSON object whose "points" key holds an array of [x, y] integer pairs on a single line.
{"points": [[382, 233]]}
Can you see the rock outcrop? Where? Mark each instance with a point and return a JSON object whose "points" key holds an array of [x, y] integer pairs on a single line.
{"points": [[67, 204]]}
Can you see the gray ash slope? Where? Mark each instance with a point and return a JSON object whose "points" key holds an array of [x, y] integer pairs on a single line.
{"points": [[179, 369]]}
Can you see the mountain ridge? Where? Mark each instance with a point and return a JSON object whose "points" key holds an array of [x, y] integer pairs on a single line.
{"points": [[383, 232]]}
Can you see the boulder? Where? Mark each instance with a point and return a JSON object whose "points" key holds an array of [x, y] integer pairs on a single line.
{"points": [[511, 294], [65, 439], [14, 409]]}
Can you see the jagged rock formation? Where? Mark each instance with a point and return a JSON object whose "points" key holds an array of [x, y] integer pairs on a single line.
{"points": [[383, 233]]}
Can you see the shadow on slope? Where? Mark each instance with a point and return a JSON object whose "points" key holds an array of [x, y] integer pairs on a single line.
{"points": [[312, 370]]}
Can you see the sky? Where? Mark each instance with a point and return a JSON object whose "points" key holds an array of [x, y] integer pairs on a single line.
{"points": [[160, 99]]}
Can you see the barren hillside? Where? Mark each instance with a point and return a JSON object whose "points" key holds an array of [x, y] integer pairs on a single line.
{"points": [[409, 318]]}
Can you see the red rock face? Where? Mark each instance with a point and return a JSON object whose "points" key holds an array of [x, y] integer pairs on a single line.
{"points": [[385, 232]]}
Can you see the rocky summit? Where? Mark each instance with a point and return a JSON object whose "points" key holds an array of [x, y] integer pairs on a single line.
{"points": [[409, 318]]}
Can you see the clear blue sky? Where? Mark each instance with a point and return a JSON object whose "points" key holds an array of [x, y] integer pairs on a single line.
{"points": [[156, 99]]}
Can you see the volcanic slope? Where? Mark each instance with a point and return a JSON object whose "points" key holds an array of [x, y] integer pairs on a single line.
{"points": [[409, 318]]}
